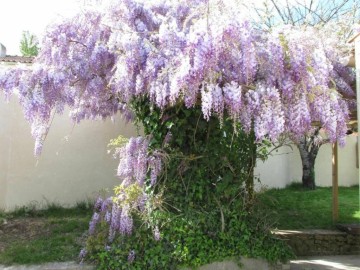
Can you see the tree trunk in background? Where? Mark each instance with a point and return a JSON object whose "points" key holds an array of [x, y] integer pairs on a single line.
{"points": [[308, 151], [308, 168]]}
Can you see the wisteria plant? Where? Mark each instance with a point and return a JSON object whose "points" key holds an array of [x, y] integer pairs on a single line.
{"points": [[210, 91]]}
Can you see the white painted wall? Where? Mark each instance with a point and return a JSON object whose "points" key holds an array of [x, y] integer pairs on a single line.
{"points": [[72, 170], [285, 167], [68, 171], [274, 171]]}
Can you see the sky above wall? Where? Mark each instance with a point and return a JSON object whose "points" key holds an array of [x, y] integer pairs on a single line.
{"points": [[17, 16]]}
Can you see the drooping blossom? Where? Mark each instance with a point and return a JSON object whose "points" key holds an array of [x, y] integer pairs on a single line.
{"points": [[98, 61], [179, 53]]}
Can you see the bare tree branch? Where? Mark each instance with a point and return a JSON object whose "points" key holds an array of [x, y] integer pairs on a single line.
{"points": [[279, 11]]}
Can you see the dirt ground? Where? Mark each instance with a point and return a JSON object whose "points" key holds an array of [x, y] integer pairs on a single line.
{"points": [[21, 229]]}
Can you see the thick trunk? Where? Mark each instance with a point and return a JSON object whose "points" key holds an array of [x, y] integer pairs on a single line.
{"points": [[308, 178], [308, 152]]}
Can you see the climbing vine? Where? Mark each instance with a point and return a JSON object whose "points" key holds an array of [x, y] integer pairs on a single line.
{"points": [[200, 209]]}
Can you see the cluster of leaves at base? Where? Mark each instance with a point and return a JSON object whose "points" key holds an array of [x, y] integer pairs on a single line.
{"points": [[205, 213], [184, 242]]}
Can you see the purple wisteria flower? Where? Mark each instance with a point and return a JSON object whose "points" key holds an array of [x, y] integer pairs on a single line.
{"points": [[125, 222], [94, 221], [98, 204], [170, 53], [82, 254]]}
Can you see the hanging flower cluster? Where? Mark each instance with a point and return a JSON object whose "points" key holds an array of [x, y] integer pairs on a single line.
{"points": [[190, 52], [134, 167]]}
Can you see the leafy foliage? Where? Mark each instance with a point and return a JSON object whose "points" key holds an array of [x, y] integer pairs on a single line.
{"points": [[185, 243], [29, 45], [200, 209]]}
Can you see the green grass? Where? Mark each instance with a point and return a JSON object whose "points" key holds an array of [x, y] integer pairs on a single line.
{"points": [[60, 232], [57, 234], [296, 208], [62, 245]]}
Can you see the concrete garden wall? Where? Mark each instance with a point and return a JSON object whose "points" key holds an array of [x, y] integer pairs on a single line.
{"points": [[321, 242], [75, 165]]}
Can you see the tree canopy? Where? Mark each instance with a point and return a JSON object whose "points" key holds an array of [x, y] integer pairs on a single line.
{"points": [[190, 52], [29, 44]]}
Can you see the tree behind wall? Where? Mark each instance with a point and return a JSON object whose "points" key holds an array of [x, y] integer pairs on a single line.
{"points": [[29, 45], [338, 17]]}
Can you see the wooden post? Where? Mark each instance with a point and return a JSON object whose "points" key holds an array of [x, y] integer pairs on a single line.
{"points": [[335, 184], [357, 68]]}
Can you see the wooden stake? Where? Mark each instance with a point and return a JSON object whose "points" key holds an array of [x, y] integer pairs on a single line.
{"points": [[335, 184], [357, 68]]}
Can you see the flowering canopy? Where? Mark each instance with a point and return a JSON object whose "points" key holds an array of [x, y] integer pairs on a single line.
{"points": [[193, 52], [190, 54]]}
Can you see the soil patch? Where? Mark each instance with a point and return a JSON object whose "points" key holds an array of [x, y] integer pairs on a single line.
{"points": [[20, 229]]}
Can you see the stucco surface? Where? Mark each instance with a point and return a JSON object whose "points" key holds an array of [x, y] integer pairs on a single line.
{"points": [[73, 167], [75, 164]]}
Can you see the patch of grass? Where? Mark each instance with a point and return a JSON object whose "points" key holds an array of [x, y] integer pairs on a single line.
{"points": [[31, 236], [296, 208], [62, 244], [37, 236]]}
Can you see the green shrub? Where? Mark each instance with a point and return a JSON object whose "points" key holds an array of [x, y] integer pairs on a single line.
{"points": [[203, 203]]}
